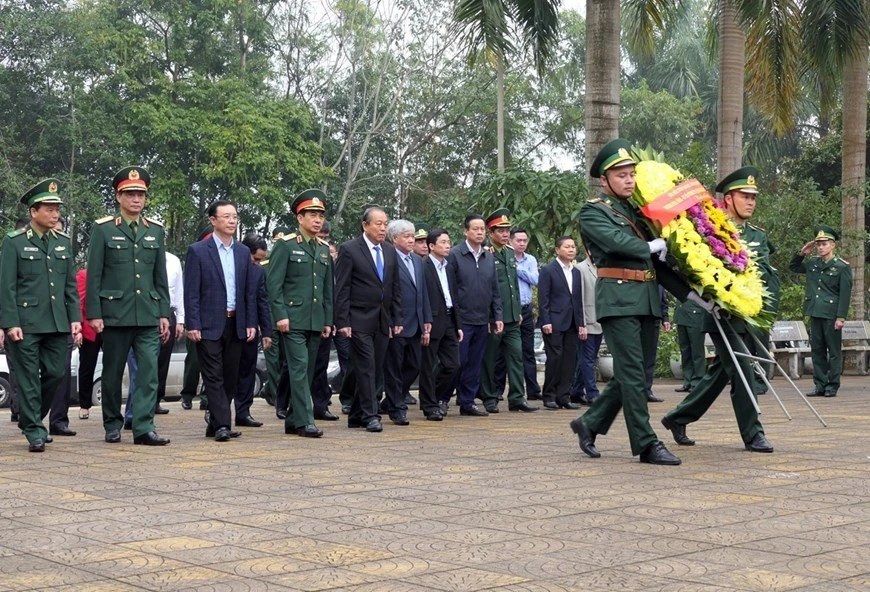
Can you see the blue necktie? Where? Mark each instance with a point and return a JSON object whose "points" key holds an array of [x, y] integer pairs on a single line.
{"points": [[410, 265], [379, 263]]}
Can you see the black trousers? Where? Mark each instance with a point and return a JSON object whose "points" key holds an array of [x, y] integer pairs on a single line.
{"points": [[163, 359], [367, 354], [88, 354], [530, 364], [219, 364], [435, 388], [59, 414], [561, 349], [401, 368], [247, 374], [321, 391]]}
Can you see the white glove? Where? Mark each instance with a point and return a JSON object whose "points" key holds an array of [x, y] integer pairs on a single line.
{"points": [[659, 246], [708, 306]]}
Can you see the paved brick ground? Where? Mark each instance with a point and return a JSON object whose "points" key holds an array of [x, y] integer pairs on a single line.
{"points": [[506, 503]]}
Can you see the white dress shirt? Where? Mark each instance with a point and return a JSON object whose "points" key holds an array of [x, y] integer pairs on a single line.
{"points": [[374, 253], [441, 270], [176, 286], [569, 276]]}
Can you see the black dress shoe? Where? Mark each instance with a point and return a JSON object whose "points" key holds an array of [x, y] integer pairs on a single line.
{"points": [[326, 416], [566, 403], [352, 423], [678, 430], [474, 410], [682, 389], [400, 419], [210, 433], [657, 454], [551, 405], [830, 394], [433, 416], [759, 444], [248, 422], [185, 404], [161, 410], [49, 439], [534, 397], [203, 405], [409, 400], [580, 400], [374, 425], [814, 394], [586, 437], [491, 408], [309, 431], [524, 407], [222, 434], [281, 414], [345, 409], [151, 439], [444, 406], [128, 425], [651, 398], [13, 417], [37, 445], [113, 436], [61, 431]]}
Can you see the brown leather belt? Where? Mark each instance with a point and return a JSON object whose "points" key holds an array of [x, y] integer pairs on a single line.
{"points": [[231, 314], [631, 275]]}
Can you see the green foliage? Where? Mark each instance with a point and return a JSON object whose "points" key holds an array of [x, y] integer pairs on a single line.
{"points": [[668, 349], [544, 203], [659, 119]]}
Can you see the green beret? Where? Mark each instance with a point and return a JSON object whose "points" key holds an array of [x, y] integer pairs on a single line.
{"points": [[615, 153], [131, 179], [826, 233], [310, 200], [743, 179], [43, 192], [501, 218], [421, 232]]}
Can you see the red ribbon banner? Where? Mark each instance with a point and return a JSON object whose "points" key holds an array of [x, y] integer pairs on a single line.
{"points": [[674, 202]]}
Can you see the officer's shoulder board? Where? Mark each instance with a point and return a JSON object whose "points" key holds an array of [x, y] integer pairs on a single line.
{"points": [[14, 233], [322, 242], [104, 220], [63, 234], [509, 247], [154, 222], [264, 262], [593, 200], [759, 228], [290, 236]]}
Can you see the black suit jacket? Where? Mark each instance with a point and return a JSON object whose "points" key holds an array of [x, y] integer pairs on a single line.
{"points": [[436, 297], [556, 305], [264, 315], [362, 301]]}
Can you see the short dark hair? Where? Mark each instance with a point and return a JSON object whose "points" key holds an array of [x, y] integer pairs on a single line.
{"points": [[516, 230], [22, 222], [434, 235], [561, 240], [471, 218], [213, 208], [326, 228], [367, 213], [255, 242]]}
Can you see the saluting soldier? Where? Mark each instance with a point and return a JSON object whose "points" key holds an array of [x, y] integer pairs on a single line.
{"points": [[627, 303], [826, 302], [128, 303], [739, 193], [509, 341], [300, 287], [40, 307]]}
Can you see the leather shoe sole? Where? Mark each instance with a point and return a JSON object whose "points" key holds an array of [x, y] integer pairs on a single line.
{"points": [[682, 389], [657, 454], [248, 422], [586, 437], [678, 431], [151, 439], [326, 416], [306, 432], [37, 445], [474, 411], [161, 410], [61, 432], [233, 434], [524, 407], [653, 399]]}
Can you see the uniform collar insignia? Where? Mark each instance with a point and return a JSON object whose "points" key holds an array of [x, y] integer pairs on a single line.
{"points": [[29, 233]]}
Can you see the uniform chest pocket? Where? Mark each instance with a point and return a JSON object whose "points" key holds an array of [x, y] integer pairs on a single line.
{"points": [[31, 262], [118, 251], [61, 255], [149, 251]]}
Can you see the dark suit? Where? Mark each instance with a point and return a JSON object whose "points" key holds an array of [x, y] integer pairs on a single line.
{"points": [[223, 335], [369, 307], [562, 309], [248, 363], [443, 340], [403, 353]]}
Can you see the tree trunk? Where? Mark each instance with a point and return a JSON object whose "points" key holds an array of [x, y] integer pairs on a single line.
{"points": [[499, 95], [854, 171], [729, 142], [602, 77]]}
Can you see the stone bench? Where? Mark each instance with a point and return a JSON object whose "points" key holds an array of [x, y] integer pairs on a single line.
{"points": [[790, 344]]}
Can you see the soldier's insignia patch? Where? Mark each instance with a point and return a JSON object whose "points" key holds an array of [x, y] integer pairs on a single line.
{"points": [[150, 238], [30, 249], [52, 187], [119, 238], [29, 233], [623, 153], [134, 175], [751, 180], [60, 248]]}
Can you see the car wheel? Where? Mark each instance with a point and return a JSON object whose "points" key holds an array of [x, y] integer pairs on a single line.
{"points": [[5, 391], [97, 395]]}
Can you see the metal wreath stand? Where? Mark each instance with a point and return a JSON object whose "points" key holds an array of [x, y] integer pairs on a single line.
{"points": [[756, 365]]}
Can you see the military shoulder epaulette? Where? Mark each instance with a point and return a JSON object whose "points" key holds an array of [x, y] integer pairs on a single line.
{"points": [[104, 220], [509, 247], [323, 242], [153, 221], [593, 200], [264, 262], [60, 233], [13, 233], [288, 237], [750, 224]]}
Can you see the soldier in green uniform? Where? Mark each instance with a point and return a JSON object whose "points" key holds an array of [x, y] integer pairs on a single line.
{"points": [[627, 303], [688, 317], [826, 302], [128, 303], [509, 341], [300, 289], [40, 307], [273, 354], [740, 196]]}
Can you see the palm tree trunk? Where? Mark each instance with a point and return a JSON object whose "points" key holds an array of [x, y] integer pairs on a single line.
{"points": [[854, 170], [602, 77], [729, 142], [499, 90]]}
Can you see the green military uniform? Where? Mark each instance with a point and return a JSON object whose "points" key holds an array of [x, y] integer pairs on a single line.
{"points": [[38, 295], [828, 290], [300, 286], [272, 355], [722, 370], [689, 317], [127, 288], [629, 309], [509, 341]]}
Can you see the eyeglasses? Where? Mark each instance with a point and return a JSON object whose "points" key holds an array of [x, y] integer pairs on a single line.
{"points": [[227, 217]]}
